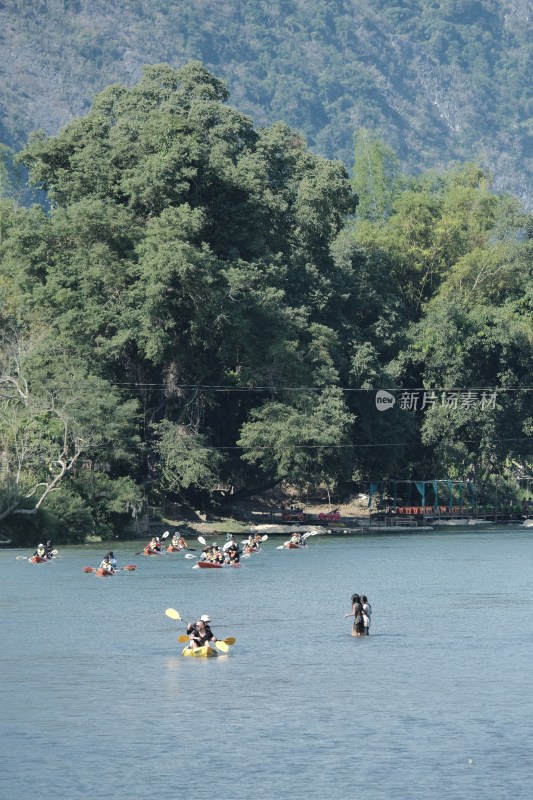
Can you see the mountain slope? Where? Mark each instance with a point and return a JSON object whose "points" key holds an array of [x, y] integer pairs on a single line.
{"points": [[440, 81]]}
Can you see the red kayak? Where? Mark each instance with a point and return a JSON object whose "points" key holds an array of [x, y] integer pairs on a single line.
{"points": [[293, 546], [148, 552], [214, 565], [39, 560], [103, 573]]}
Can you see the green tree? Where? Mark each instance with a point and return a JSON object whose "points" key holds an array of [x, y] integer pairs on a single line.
{"points": [[377, 180], [53, 415], [184, 248], [305, 441], [185, 460]]}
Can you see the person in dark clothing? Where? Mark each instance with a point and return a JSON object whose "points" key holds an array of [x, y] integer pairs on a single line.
{"points": [[233, 554], [358, 627], [200, 633], [367, 614]]}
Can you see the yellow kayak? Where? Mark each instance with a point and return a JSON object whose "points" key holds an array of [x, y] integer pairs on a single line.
{"points": [[200, 652]]}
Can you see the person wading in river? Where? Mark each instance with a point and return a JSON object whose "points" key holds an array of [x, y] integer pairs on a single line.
{"points": [[358, 627]]}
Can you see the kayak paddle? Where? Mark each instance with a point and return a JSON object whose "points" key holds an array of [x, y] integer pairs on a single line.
{"points": [[127, 568], [172, 613], [222, 644]]}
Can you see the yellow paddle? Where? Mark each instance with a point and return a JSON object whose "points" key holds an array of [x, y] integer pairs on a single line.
{"points": [[172, 613], [222, 644]]}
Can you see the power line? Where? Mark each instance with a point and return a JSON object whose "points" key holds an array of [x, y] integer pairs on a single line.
{"points": [[248, 389], [261, 447], [222, 388]]}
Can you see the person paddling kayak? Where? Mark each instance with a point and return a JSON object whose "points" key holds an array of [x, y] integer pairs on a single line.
{"points": [[179, 542], [41, 551], [106, 565], [200, 633], [232, 552]]}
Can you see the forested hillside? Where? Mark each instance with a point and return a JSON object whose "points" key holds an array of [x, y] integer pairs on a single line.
{"points": [[439, 80], [200, 302]]}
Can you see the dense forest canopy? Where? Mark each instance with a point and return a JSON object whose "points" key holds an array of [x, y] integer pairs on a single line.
{"points": [[439, 81], [202, 302]]}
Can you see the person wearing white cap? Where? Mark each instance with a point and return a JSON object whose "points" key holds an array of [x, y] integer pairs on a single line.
{"points": [[200, 633]]}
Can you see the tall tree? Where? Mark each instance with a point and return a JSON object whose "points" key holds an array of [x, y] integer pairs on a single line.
{"points": [[185, 249]]}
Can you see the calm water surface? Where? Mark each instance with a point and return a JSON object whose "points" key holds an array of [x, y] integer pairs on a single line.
{"points": [[437, 703]]}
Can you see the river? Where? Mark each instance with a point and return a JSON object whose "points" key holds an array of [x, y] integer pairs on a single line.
{"points": [[98, 702]]}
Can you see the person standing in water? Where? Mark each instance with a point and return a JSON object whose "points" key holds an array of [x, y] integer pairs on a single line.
{"points": [[367, 614], [357, 614]]}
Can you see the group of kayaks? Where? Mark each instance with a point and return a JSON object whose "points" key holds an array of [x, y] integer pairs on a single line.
{"points": [[250, 547], [212, 557]]}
